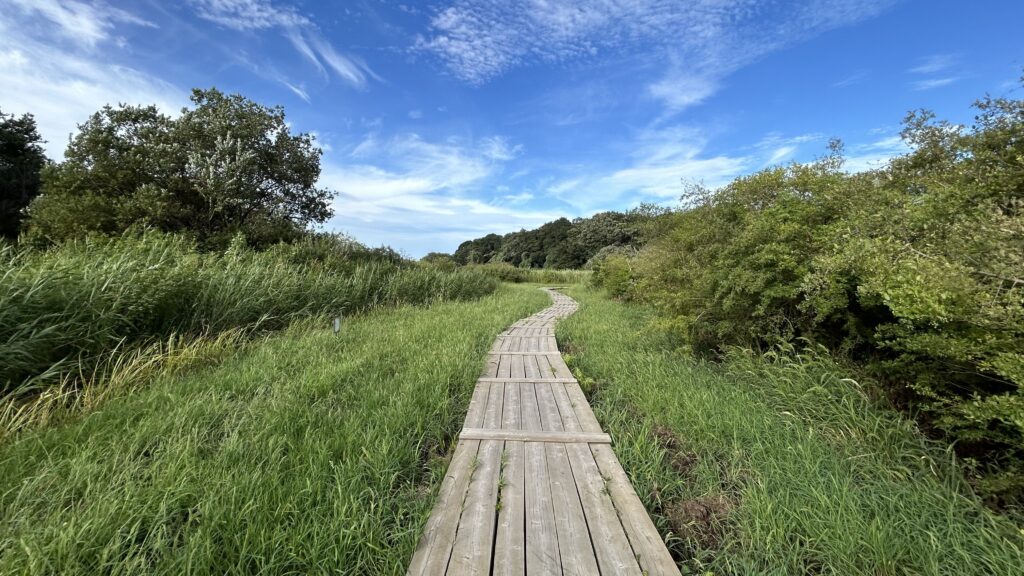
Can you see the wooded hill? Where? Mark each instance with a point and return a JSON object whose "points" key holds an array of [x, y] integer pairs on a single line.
{"points": [[563, 243]]}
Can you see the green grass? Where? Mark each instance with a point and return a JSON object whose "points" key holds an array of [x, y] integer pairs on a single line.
{"points": [[70, 316], [769, 465], [509, 273], [309, 453]]}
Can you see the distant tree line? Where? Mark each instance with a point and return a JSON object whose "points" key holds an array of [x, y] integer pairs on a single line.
{"points": [[563, 243]]}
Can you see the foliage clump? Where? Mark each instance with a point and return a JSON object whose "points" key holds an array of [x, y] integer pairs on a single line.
{"points": [[21, 161], [226, 166], [914, 270], [562, 244]]}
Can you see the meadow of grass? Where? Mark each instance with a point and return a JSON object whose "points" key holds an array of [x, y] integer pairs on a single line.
{"points": [[85, 313], [776, 464], [309, 453], [509, 273]]}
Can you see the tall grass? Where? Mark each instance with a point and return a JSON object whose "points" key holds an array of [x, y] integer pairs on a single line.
{"points": [[777, 464], [509, 273], [63, 311], [309, 453]]}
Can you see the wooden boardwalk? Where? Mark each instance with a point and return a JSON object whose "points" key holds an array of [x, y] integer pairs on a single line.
{"points": [[533, 486]]}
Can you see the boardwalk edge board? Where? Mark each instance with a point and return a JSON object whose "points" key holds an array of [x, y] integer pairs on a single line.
{"points": [[532, 436], [534, 486]]}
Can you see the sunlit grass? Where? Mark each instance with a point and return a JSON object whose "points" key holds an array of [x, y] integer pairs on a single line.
{"points": [[78, 319], [308, 453], [776, 465]]}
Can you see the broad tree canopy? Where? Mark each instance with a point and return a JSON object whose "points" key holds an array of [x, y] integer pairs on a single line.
{"points": [[226, 166]]}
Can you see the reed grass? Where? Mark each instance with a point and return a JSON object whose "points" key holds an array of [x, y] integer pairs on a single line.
{"points": [[777, 463], [307, 453], [81, 313]]}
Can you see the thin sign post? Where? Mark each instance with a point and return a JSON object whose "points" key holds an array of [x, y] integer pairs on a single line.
{"points": [[337, 325]]}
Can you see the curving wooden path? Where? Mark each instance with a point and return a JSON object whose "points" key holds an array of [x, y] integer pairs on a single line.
{"points": [[534, 487]]}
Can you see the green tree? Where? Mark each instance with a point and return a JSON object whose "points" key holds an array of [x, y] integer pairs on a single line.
{"points": [[21, 160], [479, 251], [225, 166]]}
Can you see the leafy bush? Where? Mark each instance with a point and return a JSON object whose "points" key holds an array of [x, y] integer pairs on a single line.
{"points": [[62, 309], [913, 269]]}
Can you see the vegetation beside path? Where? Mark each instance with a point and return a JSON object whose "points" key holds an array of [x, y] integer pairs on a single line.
{"points": [[776, 464], [310, 453]]}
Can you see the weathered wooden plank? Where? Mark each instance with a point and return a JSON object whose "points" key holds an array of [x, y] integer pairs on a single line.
{"points": [[527, 378], [560, 369], [647, 545], [584, 414], [535, 436], [514, 353], [549, 416], [541, 536], [510, 541], [565, 409], [574, 546], [505, 368], [471, 553], [435, 546], [614, 553], [532, 369], [478, 405], [491, 367], [528, 406], [518, 369]]}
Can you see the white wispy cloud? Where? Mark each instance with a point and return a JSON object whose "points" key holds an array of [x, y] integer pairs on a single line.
{"points": [[875, 154], [780, 154], [499, 148], [701, 42], [938, 66], [248, 14], [62, 83], [852, 79], [301, 32], [663, 161], [931, 83], [518, 198], [935, 63], [423, 194], [296, 90], [85, 24]]}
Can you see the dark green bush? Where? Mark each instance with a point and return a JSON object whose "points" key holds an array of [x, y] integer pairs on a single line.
{"points": [[913, 270]]}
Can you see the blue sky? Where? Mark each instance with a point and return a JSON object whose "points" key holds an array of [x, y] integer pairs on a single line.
{"points": [[443, 121]]}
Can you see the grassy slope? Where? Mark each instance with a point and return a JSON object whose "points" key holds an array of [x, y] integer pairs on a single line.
{"points": [[310, 453], [778, 467]]}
